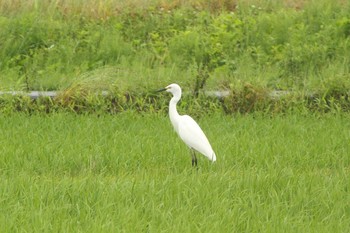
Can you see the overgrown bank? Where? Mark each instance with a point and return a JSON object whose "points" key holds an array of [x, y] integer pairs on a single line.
{"points": [[294, 46], [242, 100]]}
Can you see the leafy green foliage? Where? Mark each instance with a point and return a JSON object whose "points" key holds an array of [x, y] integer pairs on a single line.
{"points": [[274, 46]]}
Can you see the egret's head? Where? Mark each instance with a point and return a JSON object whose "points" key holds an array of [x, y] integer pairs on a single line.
{"points": [[173, 89]]}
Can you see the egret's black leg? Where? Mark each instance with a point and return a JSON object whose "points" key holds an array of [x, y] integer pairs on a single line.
{"points": [[194, 158]]}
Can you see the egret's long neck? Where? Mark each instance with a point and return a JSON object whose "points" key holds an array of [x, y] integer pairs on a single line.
{"points": [[173, 114], [172, 107]]}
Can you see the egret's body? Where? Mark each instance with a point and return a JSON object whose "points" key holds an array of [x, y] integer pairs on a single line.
{"points": [[188, 130]]}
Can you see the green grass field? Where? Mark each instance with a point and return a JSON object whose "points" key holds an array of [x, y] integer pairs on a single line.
{"points": [[130, 173], [284, 167]]}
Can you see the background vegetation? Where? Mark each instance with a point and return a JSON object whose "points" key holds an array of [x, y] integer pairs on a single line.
{"points": [[141, 45]]}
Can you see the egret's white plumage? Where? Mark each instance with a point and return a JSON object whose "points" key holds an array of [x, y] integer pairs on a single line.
{"points": [[187, 128]]}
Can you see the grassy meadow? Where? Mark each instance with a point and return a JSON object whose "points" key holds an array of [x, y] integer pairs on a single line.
{"points": [[87, 162], [130, 173]]}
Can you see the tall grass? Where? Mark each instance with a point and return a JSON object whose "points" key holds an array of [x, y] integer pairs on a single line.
{"points": [[130, 172], [302, 45]]}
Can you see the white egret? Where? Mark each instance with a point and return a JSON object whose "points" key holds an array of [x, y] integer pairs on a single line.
{"points": [[187, 128]]}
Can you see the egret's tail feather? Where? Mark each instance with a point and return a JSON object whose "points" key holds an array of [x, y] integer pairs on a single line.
{"points": [[213, 157]]}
